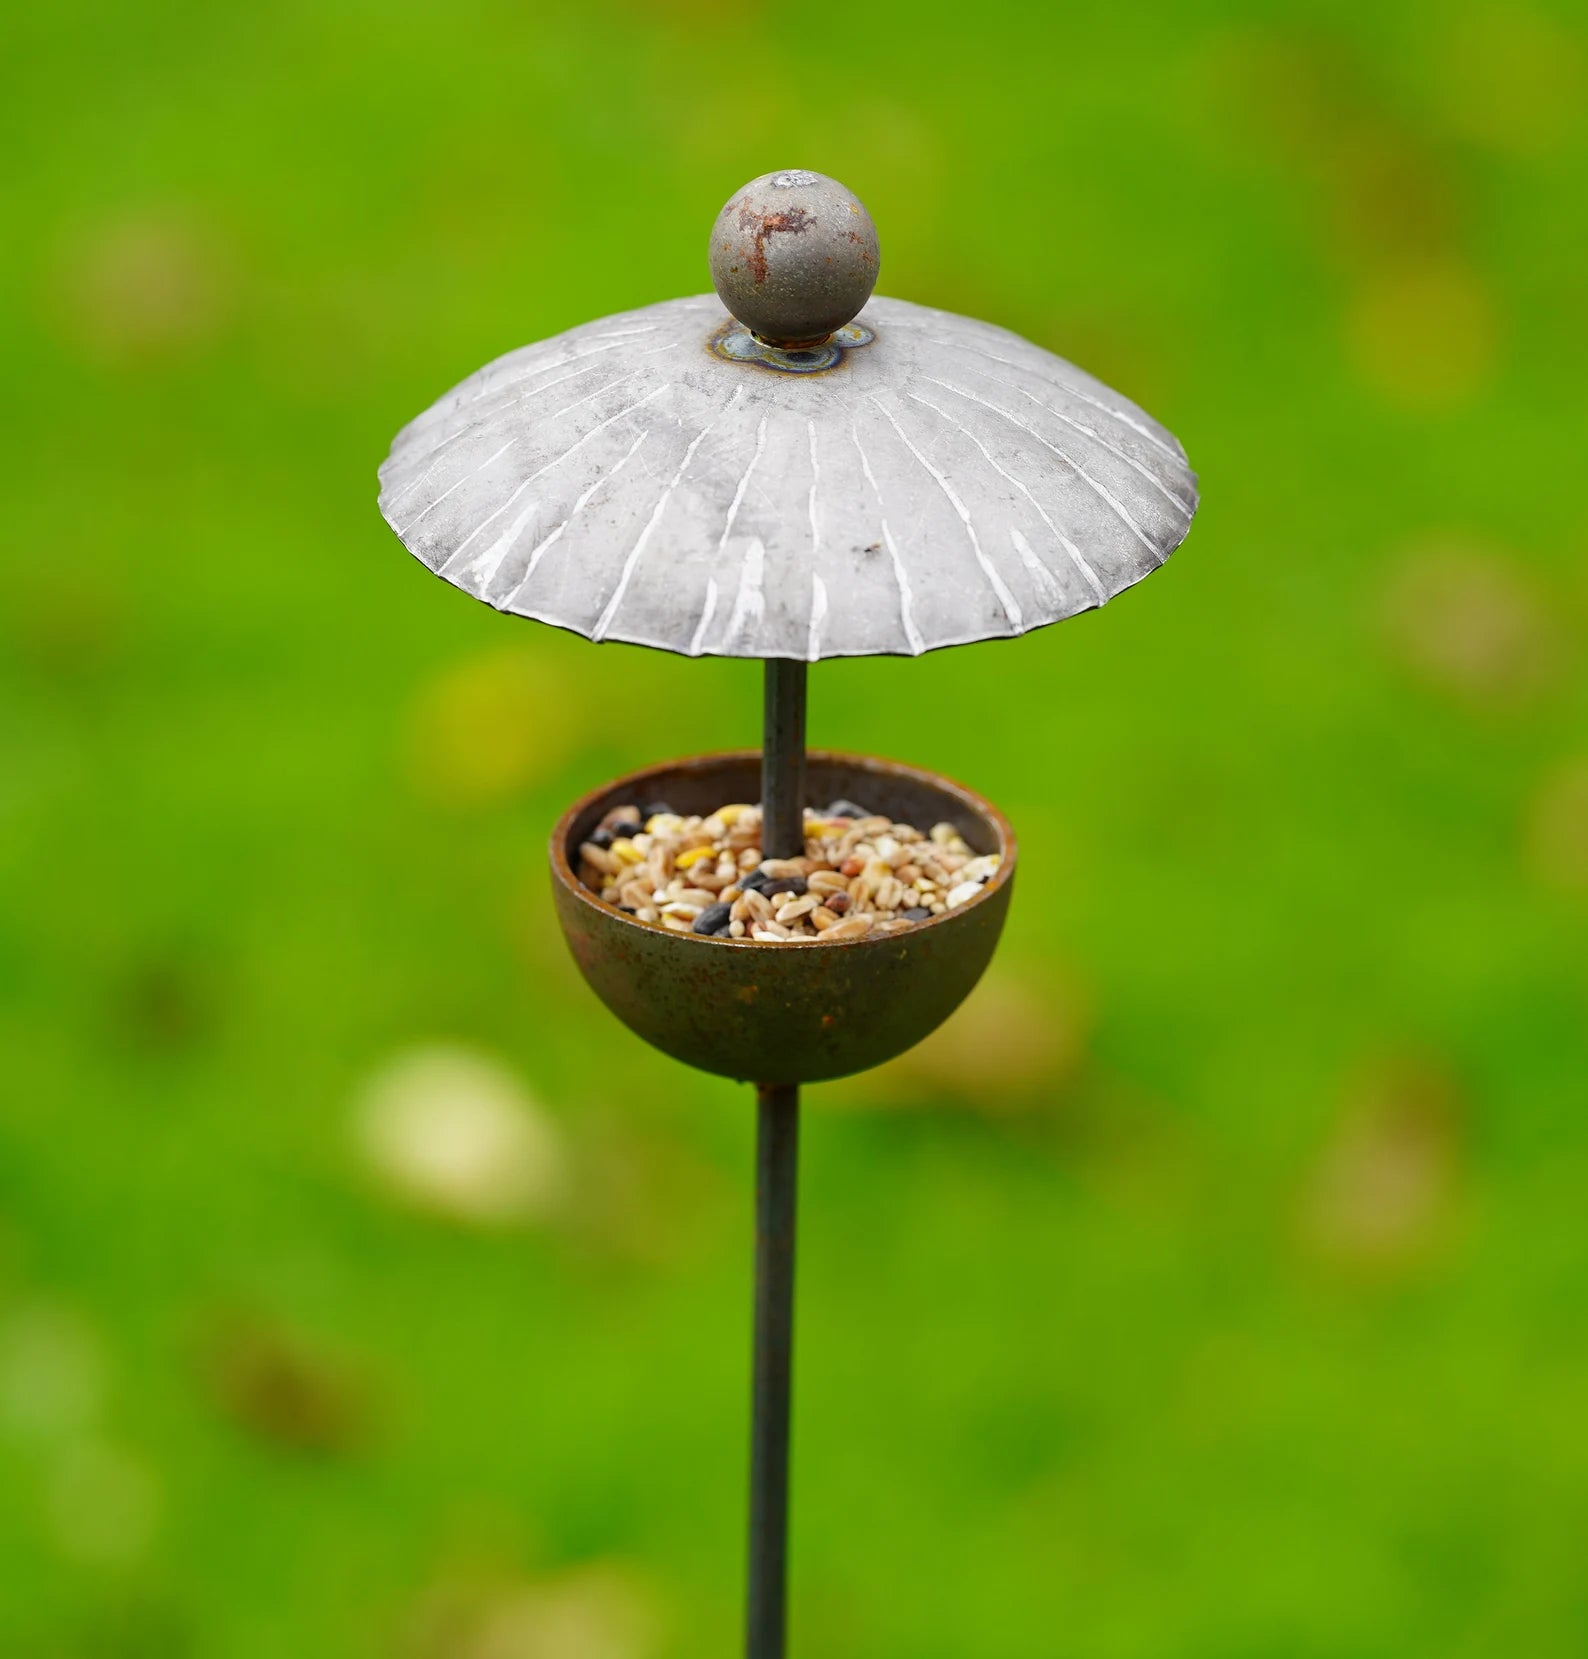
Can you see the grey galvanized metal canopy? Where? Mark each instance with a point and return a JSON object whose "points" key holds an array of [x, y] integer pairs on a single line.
{"points": [[664, 477]]}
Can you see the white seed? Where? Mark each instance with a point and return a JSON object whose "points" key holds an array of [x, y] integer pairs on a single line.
{"points": [[795, 908], [965, 890]]}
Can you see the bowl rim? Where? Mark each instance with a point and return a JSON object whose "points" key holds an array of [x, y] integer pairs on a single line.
{"points": [[564, 873]]}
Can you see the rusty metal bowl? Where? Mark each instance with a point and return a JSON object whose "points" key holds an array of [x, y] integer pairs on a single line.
{"points": [[796, 1012]]}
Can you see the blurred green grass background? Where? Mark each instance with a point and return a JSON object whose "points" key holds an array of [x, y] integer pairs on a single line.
{"points": [[1213, 1287]]}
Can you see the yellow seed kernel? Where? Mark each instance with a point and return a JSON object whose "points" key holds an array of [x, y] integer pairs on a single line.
{"points": [[694, 856], [625, 850]]}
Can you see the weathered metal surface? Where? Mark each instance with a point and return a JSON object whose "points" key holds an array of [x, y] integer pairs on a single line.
{"points": [[795, 1012], [736, 343], [793, 256], [776, 1193], [947, 482], [783, 798]]}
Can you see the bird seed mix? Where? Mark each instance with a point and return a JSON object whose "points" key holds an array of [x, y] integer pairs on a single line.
{"points": [[862, 874]]}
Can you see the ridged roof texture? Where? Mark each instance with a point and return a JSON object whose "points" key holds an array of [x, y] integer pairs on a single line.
{"points": [[944, 483]]}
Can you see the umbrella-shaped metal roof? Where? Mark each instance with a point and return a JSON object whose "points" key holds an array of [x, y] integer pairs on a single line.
{"points": [[663, 477]]}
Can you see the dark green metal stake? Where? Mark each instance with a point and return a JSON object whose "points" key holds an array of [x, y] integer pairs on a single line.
{"points": [[776, 1177]]}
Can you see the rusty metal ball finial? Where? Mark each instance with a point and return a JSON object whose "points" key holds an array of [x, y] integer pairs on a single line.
{"points": [[793, 257]]}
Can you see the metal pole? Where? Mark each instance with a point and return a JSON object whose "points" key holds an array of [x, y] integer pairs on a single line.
{"points": [[783, 761], [776, 1177], [777, 1163]]}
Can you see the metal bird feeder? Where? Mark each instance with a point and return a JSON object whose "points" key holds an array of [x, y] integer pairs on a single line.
{"points": [[792, 470]]}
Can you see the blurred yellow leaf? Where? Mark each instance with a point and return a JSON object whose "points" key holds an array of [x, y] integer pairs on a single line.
{"points": [[1010, 1045], [456, 1133], [1468, 622], [1511, 76], [103, 1503], [52, 1370], [1385, 1183], [600, 1611], [144, 286], [1425, 336], [1557, 827], [282, 1388], [482, 730]]}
